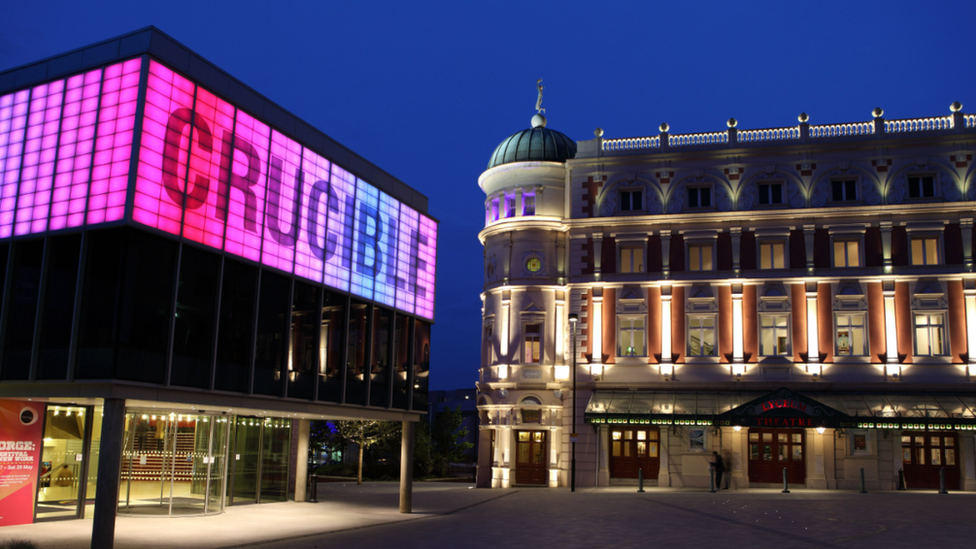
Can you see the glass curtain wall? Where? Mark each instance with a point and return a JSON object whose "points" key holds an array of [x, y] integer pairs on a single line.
{"points": [[173, 464]]}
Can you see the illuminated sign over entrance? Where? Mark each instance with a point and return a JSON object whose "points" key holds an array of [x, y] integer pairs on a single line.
{"points": [[209, 172]]}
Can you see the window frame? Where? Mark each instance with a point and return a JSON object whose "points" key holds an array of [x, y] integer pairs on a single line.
{"points": [[760, 242], [946, 348], [689, 245], [689, 330], [526, 198], [623, 318], [844, 188], [696, 189], [632, 247], [922, 238], [525, 341], [865, 335], [920, 176], [631, 192], [789, 333], [770, 184], [509, 206], [847, 237]]}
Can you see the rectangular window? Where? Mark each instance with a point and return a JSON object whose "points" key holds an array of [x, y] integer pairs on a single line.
{"points": [[847, 253], [921, 186], [632, 259], [849, 335], [509, 207], [528, 204], [845, 190], [770, 193], [930, 335], [774, 337], [701, 335], [700, 197], [699, 257], [489, 332], [925, 250], [630, 337], [494, 210], [772, 255], [533, 344], [631, 201]]}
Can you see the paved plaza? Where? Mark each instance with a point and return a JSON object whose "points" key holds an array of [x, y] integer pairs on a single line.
{"points": [[452, 515]]}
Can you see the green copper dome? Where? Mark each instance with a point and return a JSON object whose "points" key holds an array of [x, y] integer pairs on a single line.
{"points": [[538, 143]]}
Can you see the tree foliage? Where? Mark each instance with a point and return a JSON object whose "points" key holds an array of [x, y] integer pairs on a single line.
{"points": [[364, 433], [446, 434]]}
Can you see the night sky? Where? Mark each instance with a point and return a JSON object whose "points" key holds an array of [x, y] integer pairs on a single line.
{"points": [[427, 90]]}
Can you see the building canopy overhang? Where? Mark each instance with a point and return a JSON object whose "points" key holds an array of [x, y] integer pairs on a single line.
{"points": [[784, 408]]}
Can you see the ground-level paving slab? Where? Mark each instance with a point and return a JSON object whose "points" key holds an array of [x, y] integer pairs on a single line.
{"points": [[447, 515], [341, 507], [620, 517]]}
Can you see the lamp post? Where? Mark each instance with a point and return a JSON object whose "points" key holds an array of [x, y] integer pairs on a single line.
{"points": [[573, 319]]}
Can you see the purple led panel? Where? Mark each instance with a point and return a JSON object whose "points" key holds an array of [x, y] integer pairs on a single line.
{"points": [[75, 147], [284, 203], [13, 116], [113, 144], [65, 147], [312, 244], [40, 150]]}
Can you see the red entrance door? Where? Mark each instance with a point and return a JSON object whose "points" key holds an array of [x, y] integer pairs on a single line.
{"points": [[770, 450], [632, 449], [530, 458], [924, 453]]}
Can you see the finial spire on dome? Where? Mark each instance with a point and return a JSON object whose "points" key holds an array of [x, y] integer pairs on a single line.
{"points": [[539, 120]]}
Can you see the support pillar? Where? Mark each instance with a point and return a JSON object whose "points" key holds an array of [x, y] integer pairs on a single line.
{"points": [[301, 460], [406, 467], [109, 473]]}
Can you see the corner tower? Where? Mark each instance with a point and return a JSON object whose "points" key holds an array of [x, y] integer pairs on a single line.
{"points": [[525, 334]]}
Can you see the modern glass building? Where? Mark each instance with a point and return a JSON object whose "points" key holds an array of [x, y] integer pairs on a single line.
{"points": [[189, 275]]}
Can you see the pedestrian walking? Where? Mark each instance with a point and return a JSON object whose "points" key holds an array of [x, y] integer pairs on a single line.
{"points": [[719, 466]]}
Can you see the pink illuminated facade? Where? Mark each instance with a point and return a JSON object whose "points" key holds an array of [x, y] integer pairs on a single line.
{"points": [[179, 255], [209, 172]]}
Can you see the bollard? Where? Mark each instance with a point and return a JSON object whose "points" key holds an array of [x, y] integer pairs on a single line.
{"points": [[786, 487], [314, 488], [901, 480], [711, 479], [942, 489], [640, 481], [863, 491]]}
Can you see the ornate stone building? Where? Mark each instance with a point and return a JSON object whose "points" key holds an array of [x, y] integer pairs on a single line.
{"points": [[800, 300]]}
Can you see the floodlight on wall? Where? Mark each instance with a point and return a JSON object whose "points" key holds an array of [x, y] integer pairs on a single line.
{"points": [[736, 428], [820, 430]]}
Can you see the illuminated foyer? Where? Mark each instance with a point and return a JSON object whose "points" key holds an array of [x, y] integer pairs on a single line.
{"points": [[799, 299]]}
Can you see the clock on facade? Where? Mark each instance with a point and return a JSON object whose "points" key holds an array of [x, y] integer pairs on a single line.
{"points": [[533, 264]]}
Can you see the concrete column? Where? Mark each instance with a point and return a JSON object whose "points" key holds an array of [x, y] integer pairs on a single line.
{"points": [[484, 458], [740, 448], [891, 334], [813, 332], [301, 460], [603, 479], [109, 472], [406, 467]]}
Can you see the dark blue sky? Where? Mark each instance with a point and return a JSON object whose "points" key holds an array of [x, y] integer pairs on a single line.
{"points": [[426, 90]]}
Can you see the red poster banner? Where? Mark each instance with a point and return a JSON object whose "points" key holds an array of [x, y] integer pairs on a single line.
{"points": [[21, 425]]}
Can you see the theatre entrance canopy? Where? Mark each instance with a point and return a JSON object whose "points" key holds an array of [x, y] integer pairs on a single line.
{"points": [[784, 408]]}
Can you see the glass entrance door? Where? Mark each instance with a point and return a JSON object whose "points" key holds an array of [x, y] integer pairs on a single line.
{"points": [[63, 466], [260, 456], [173, 464]]}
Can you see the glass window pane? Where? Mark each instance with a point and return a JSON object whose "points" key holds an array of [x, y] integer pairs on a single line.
{"points": [[918, 256], [754, 437], [936, 456], [59, 302], [921, 456], [797, 453], [950, 456], [797, 438], [931, 251], [272, 332], [193, 333], [839, 255], [236, 331], [767, 437], [706, 258], [753, 451]]}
